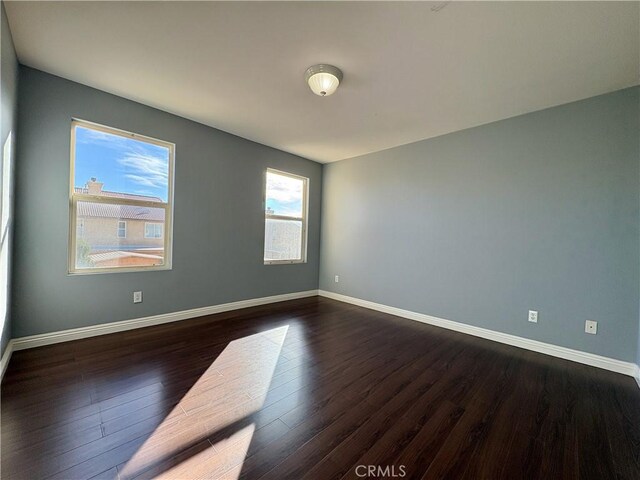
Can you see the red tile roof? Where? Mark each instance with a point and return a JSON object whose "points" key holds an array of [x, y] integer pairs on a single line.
{"points": [[126, 212], [128, 196], [101, 257]]}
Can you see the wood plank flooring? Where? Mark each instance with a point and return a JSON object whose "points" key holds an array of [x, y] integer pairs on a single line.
{"points": [[311, 389]]}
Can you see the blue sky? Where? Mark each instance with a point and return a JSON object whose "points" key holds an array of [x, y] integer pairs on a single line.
{"points": [[128, 165], [284, 195], [122, 164]]}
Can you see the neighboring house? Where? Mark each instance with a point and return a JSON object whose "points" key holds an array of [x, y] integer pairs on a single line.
{"points": [[282, 239], [119, 235]]}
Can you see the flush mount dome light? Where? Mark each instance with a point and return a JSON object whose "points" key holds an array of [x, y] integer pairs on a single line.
{"points": [[323, 79]]}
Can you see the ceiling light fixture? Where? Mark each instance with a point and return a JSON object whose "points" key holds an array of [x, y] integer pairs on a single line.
{"points": [[323, 79]]}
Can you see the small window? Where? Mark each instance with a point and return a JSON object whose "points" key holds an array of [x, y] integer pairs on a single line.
{"points": [[152, 230], [122, 229], [121, 183], [285, 238]]}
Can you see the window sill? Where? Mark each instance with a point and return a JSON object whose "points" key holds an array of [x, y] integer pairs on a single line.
{"points": [[283, 262], [99, 271]]}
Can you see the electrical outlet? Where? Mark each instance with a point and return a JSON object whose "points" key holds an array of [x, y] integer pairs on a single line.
{"points": [[533, 316], [137, 297], [337, 278], [591, 326]]}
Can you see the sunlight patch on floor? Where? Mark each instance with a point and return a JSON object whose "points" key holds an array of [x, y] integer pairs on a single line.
{"points": [[222, 461], [233, 387]]}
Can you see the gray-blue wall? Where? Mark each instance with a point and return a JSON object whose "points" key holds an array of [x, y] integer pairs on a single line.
{"points": [[535, 212], [538, 212], [218, 215], [9, 99]]}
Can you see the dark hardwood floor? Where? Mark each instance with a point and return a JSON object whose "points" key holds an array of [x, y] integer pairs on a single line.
{"points": [[311, 389]]}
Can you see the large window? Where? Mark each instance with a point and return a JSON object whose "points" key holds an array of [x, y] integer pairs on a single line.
{"points": [[285, 238], [121, 183]]}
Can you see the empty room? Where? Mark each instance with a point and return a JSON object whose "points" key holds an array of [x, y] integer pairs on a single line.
{"points": [[308, 240]]}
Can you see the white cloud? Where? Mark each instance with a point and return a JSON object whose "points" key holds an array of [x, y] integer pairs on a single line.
{"points": [[141, 165], [96, 137], [145, 169], [284, 189]]}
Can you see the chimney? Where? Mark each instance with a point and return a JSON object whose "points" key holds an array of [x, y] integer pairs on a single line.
{"points": [[94, 187]]}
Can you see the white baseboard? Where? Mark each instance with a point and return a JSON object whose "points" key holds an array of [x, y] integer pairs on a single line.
{"points": [[33, 341], [605, 363], [6, 356]]}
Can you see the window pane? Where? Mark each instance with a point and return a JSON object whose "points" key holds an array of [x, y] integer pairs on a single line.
{"points": [[98, 244], [283, 240], [153, 230], [284, 195], [6, 184], [107, 164]]}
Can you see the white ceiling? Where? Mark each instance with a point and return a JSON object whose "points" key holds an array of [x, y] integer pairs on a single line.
{"points": [[410, 72]]}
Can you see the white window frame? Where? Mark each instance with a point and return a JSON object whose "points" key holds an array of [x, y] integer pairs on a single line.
{"points": [[74, 198], [152, 223], [118, 229], [303, 218]]}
